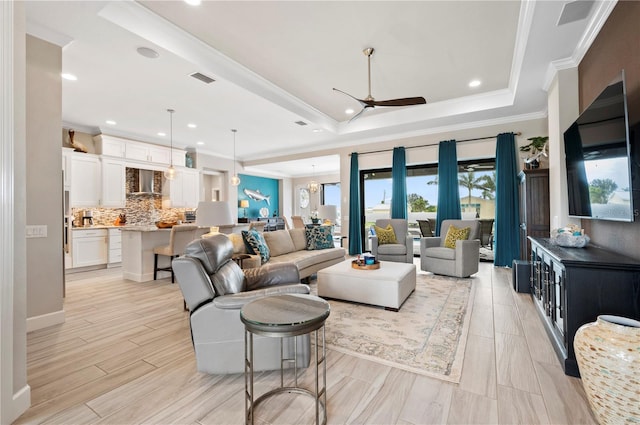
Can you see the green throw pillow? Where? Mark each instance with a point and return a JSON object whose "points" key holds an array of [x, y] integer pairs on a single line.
{"points": [[454, 234], [385, 236]]}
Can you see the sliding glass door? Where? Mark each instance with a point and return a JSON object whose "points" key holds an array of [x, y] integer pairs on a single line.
{"points": [[477, 193]]}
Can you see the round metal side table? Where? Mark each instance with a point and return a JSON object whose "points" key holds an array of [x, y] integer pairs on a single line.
{"points": [[282, 316]]}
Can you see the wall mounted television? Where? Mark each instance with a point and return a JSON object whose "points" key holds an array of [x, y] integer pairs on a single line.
{"points": [[601, 158]]}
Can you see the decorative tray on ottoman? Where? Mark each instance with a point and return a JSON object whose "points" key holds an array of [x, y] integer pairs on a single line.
{"points": [[362, 266]]}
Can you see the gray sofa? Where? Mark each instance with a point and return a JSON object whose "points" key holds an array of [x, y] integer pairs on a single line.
{"points": [[215, 289], [289, 246], [461, 261]]}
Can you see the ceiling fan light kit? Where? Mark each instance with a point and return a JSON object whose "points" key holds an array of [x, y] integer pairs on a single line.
{"points": [[370, 102]]}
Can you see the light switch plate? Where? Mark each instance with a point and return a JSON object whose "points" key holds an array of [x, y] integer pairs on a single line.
{"points": [[36, 231]]}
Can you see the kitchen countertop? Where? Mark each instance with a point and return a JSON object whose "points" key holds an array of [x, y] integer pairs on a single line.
{"points": [[96, 227]]}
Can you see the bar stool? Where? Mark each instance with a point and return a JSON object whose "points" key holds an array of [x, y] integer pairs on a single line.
{"points": [[180, 237]]}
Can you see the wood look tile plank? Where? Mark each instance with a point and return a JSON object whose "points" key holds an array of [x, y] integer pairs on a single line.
{"points": [[68, 382], [469, 408], [520, 407], [478, 371], [565, 403], [386, 406], [514, 364], [506, 320], [40, 412], [481, 322], [79, 414], [428, 402]]}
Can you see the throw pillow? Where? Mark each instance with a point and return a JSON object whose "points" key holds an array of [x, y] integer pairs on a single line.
{"points": [[319, 237], [386, 235], [455, 234], [255, 240]]}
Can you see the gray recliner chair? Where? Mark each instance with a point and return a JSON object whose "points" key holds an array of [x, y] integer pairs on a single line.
{"points": [[215, 288], [401, 252], [462, 261]]}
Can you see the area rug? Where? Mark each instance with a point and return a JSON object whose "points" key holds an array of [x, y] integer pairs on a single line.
{"points": [[427, 336]]}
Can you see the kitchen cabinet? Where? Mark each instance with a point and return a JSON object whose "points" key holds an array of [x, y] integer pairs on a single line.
{"points": [[573, 286], [89, 247], [110, 146], [148, 153], [183, 191], [178, 157], [115, 246], [113, 183], [85, 186]]}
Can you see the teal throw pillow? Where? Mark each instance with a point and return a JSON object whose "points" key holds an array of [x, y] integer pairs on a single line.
{"points": [[319, 237], [256, 244]]}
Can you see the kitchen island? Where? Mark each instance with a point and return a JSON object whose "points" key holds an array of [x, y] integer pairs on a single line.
{"points": [[138, 243]]}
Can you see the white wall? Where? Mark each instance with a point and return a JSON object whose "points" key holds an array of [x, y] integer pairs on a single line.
{"points": [[563, 110]]}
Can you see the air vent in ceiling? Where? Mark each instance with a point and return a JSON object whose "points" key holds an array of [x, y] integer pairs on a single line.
{"points": [[300, 122], [202, 77], [575, 11]]}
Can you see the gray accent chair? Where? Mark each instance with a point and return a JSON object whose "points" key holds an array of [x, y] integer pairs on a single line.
{"points": [[459, 262], [402, 252], [215, 288]]}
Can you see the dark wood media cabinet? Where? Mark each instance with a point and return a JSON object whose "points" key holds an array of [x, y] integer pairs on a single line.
{"points": [[573, 286]]}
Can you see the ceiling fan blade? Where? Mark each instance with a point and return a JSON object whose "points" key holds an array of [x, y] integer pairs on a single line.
{"points": [[359, 113], [360, 101], [406, 101]]}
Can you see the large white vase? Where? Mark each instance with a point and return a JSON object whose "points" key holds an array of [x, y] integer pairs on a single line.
{"points": [[608, 355]]}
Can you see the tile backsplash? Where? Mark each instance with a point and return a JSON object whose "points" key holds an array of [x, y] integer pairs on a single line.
{"points": [[145, 209]]}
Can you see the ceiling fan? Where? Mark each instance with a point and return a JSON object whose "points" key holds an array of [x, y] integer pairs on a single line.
{"points": [[370, 102]]}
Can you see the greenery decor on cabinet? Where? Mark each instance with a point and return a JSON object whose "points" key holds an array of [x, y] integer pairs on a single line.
{"points": [[536, 150]]}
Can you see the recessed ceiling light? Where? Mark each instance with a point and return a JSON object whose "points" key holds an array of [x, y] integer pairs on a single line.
{"points": [[317, 130], [147, 52], [111, 122], [69, 77], [474, 83], [349, 111], [193, 2], [161, 134], [200, 143], [191, 125]]}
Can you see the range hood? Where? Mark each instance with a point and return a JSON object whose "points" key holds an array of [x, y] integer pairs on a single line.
{"points": [[142, 182]]}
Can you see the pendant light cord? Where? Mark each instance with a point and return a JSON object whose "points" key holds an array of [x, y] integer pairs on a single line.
{"points": [[171, 111]]}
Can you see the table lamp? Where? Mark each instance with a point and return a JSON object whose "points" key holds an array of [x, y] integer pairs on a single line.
{"points": [[214, 214], [328, 213], [244, 204]]}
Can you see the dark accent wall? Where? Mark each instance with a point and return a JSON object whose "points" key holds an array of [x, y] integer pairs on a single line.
{"points": [[616, 47]]}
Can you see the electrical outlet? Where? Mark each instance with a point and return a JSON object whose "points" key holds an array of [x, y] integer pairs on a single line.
{"points": [[36, 231]]}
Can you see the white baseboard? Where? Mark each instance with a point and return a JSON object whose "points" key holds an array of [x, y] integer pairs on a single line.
{"points": [[45, 320], [21, 402]]}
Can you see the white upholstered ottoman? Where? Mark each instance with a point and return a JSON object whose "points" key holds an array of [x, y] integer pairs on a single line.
{"points": [[387, 286]]}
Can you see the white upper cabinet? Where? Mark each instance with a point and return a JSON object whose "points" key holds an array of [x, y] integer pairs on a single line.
{"points": [[110, 146], [113, 183], [148, 153], [138, 151], [183, 191], [85, 180], [66, 168]]}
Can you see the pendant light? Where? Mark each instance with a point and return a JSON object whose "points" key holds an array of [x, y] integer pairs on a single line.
{"points": [[170, 173], [313, 184], [235, 180]]}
